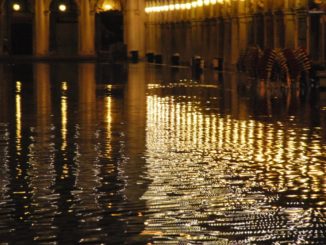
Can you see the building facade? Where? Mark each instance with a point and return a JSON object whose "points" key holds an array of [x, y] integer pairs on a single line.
{"points": [[225, 28], [187, 28]]}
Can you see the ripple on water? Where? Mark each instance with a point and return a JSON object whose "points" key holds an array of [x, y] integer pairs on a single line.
{"points": [[179, 162]]}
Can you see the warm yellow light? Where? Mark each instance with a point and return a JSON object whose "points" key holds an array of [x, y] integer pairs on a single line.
{"points": [[16, 7], [107, 7], [186, 5], [62, 7], [18, 116]]}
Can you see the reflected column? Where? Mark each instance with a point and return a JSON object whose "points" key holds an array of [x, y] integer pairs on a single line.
{"points": [[135, 98], [5, 97], [87, 154], [4, 152], [41, 157]]}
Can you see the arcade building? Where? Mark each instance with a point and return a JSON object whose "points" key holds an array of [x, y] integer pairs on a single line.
{"points": [[206, 28]]}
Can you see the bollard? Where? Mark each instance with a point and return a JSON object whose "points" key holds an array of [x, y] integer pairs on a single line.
{"points": [[134, 56], [220, 64], [150, 57], [197, 64], [175, 59], [158, 59], [215, 63]]}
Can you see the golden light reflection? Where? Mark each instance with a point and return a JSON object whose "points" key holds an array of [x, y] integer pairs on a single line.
{"points": [[204, 163], [108, 117], [18, 117], [64, 115], [182, 6]]}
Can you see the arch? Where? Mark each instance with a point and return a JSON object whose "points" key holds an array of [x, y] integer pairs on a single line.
{"points": [[64, 27], [17, 27], [109, 27]]}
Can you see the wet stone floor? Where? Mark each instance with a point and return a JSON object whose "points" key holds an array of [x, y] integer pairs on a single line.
{"points": [[141, 154]]}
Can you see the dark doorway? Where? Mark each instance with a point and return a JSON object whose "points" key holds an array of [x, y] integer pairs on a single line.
{"points": [[110, 29], [22, 38], [64, 27], [110, 35], [17, 27], [315, 37]]}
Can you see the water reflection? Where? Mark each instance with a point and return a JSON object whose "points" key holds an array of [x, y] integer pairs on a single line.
{"points": [[226, 177], [144, 154], [41, 161]]}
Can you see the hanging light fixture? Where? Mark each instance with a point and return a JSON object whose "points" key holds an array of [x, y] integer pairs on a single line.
{"points": [[108, 5], [62, 7], [16, 7]]}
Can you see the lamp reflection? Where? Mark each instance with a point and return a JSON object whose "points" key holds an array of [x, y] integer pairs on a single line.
{"points": [[18, 117], [64, 114], [108, 117], [204, 164]]}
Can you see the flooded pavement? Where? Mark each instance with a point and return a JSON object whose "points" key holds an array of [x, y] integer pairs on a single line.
{"points": [[140, 154]]}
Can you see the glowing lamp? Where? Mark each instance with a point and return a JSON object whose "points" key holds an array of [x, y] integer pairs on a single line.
{"points": [[107, 7], [62, 7], [16, 7]]}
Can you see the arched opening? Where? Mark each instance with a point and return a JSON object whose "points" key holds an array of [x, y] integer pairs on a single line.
{"points": [[18, 28], [109, 28], [64, 27]]}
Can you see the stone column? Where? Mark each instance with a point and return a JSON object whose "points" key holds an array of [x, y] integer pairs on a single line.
{"points": [[42, 27], [243, 32], [227, 41], [290, 37], [234, 51], [134, 28], [323, 39], [302, 28], [278, 29], [3, 28], [268, 33], [86, 28], [1, 31]]}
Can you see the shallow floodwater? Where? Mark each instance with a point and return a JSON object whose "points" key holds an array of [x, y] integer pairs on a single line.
{"points": [[142, 154]]}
